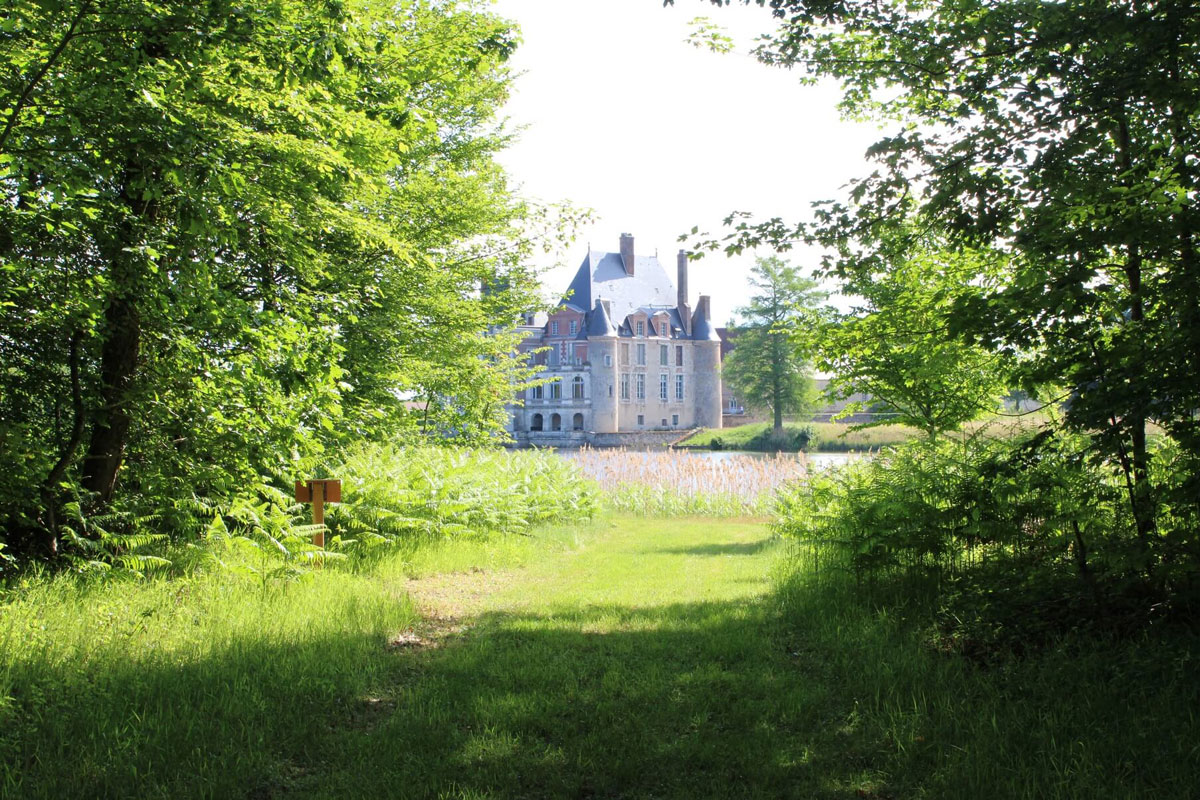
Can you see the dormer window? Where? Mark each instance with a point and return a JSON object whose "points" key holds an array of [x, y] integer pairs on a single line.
{"points": [[641, 328], [574, 327], [554, 328]]}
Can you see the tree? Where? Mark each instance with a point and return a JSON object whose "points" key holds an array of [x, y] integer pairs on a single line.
{"points": [[1063, 134], [232, 234], [769, 364], [898, 349]]}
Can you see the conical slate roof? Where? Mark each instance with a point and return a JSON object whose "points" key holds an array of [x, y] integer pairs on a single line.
{"points": [[599, 324]]}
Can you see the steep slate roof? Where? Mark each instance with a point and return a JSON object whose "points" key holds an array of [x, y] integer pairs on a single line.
{"points": [[602, 276]]}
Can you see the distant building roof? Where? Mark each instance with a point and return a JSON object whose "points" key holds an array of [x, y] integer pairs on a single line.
{"points": [[602, 275]]}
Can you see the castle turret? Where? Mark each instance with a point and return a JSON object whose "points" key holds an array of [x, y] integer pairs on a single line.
{"points": [[706, 366], [602, 353]]}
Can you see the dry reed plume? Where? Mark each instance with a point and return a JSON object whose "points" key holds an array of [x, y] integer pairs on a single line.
{"points": [[668, 482]]}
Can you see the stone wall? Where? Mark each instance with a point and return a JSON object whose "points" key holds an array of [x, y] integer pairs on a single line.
{"points": [[574, 439]]}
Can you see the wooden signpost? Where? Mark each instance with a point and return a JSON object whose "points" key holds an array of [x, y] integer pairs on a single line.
{"points": [[319, 492]]}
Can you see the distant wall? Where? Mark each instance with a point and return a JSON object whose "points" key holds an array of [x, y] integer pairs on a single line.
{"points": [[571, 439]]}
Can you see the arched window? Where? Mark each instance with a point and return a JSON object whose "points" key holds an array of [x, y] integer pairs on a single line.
{"points": [[577, 387], [577, 422], [536, 423], [555, 422]]}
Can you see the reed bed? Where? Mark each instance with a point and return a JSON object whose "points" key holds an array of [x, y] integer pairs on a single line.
{"points": [[671, 483]]}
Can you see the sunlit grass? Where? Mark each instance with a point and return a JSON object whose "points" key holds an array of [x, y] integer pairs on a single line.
{"points": [[216, 684], [632, 657]]}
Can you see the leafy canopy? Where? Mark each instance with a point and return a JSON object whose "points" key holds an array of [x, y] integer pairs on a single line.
{"points": [[233, 235], [769, 363]]}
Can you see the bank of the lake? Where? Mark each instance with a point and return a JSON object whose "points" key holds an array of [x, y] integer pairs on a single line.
{"points": [[826, 437]]}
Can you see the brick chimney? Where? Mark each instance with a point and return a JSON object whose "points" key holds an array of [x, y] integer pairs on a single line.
{"points": [[685, 310], [681, 261], [627, 252]]}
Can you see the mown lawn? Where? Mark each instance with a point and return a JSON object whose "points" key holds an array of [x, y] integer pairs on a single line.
{"points": [[635, 657]]}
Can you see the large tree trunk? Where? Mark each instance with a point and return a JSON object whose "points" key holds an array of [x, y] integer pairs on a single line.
{"points": [[1142, 500], [121, 348], [118, 363]]}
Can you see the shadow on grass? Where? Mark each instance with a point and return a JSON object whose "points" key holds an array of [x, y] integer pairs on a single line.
{"points": [[687, 700], [676, 701], [732, 549]]}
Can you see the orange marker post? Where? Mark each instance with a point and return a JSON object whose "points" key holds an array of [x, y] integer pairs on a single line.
{"points": [[319, 492]]}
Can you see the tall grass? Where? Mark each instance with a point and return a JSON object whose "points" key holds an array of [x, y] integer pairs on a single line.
{"points": [[666, 483], [1079, 717], [106, 685], [397, 492], [220, 683], [392, 497]]}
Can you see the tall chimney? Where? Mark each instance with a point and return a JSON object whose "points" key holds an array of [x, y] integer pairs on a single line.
{"points": [[682, 262], [627, 252]]}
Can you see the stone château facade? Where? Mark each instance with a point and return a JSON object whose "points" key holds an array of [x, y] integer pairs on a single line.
{"points": [[624, 354]]}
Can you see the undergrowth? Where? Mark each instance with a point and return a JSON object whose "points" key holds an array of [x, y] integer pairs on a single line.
{"points": [[1009, 542], [393, 497]]}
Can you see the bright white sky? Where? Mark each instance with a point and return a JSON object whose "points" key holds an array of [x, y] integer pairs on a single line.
{"points": [[623, 116]]}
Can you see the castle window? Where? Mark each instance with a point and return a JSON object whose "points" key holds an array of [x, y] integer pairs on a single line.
{"points": [[536, 423], [641, 351], [641, 386], [679, 355], [556, 390], [608, 359], [554, 328], [536, 392], [574, 327], [662, 386], [674, 420], [664, 355], [624, 354], [625, 386], [577, 388], [641, 328], [555, 422], [577, 422], [678, 387], [641, 419]]}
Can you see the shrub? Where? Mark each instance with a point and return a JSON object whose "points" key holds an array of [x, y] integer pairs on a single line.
{"points": [[1005, 535]]}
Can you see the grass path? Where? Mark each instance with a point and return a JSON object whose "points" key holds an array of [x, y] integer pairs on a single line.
{"points": [[645, 664]]}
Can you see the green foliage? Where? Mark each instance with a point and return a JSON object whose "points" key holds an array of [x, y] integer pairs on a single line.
{"points": [[756, 437], [235, 236], [996, 529], [833, 437], [899, 350], [769, 364], [1062, 135], [395, 493]]}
